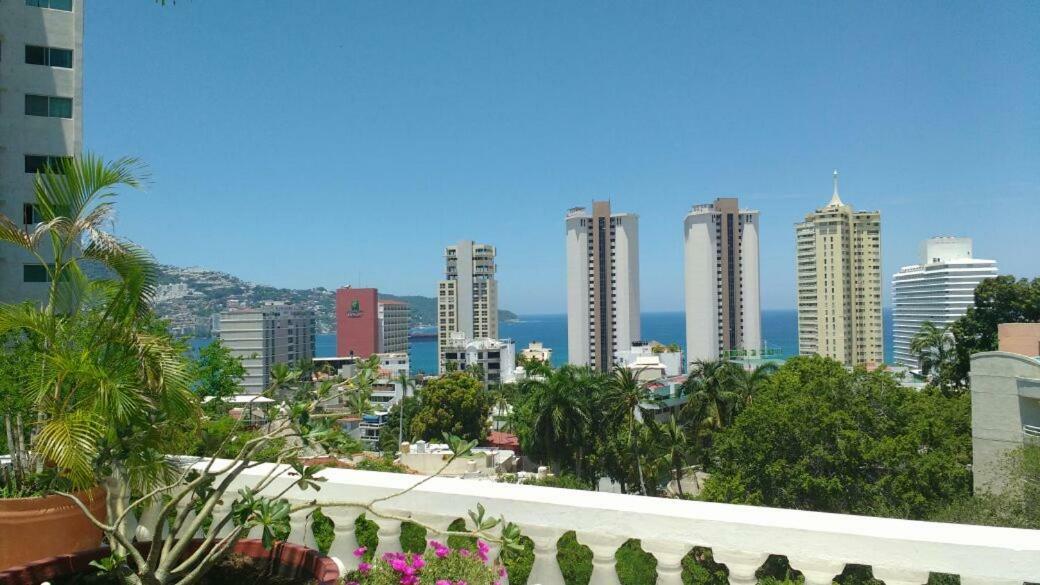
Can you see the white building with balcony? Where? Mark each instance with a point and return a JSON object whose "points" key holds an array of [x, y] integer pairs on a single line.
{"points": [[939, 289], [467, 298], [496, 357], [651, 356]]}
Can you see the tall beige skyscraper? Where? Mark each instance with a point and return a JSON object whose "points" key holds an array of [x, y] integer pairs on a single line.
{"points": [[602, 285], [467, 298], [839, 283], [41, 118]]}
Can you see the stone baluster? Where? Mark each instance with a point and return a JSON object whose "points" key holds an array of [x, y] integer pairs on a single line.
{"points": [[436, 525], [741, 564], [816, 571], [302, 532], [669, 555], [545, 570], [389, 533], [345, 543], [896, 576], [604, 547]]}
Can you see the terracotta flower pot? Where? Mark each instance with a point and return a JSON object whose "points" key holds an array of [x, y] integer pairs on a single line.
{"points": [[37, 528], [290, 560]]}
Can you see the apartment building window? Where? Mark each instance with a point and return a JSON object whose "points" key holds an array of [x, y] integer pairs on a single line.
{"points": [[35, 163], [47, 106], [30, 214], [34, 273], [65, 5], [49, 56]]}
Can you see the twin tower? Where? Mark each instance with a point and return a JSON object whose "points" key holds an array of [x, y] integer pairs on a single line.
{"points": [[722, 283]]}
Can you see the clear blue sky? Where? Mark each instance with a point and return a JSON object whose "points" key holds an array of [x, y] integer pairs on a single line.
{"points": [[307, 143]]}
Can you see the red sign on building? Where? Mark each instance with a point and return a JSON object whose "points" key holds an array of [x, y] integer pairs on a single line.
{"points": [[357, 322]]}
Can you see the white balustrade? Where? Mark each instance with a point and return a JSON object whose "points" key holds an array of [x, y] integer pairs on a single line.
{"points": [[900, 552]]}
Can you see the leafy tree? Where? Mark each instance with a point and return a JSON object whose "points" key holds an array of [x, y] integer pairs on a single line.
{"points": [[388, 442], [217, 373], [455, 404], [818, 437], [1017, 506], [997, 300]]}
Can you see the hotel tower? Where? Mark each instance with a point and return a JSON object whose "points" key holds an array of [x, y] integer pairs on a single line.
{"points": [[467, 298], [722, 286], [602, 285], [839, 283]]}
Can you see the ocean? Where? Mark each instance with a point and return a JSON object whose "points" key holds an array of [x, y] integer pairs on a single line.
{"points": [[779, 330]]}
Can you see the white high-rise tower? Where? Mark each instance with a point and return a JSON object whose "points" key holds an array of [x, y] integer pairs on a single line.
{"points": [[722, 283], [41, 118], [939, 289], [602, 285]]}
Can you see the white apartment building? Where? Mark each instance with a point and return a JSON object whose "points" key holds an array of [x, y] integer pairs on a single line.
{"points": [[393, 326], [497, 357], [602, 284], [274, 333], [41, 117], [939, 289], [536, 350], [723, 308], [839, 283], [467, 298], [652, 356]]}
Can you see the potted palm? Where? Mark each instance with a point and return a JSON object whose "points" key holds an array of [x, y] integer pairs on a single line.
{"points": [[106, 392]]}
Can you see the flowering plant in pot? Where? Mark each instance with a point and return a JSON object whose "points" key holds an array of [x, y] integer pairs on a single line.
{"points": [[438, 565]]}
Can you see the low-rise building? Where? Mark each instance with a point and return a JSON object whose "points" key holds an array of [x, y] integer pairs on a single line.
{"points": [[480, 462], [652, 356], [496, 357], [1005, 405], [536, 351]]}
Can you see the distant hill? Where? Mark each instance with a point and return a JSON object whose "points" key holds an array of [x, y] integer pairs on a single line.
{"points": [[189, 297]]}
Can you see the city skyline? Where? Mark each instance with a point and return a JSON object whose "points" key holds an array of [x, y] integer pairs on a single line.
{"points": [[492, 136]]}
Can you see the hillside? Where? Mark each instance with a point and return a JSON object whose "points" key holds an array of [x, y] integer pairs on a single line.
{"points": [[189, 297]]}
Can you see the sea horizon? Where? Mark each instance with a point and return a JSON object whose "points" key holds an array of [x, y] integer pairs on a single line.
{"points": [[779, 331]]}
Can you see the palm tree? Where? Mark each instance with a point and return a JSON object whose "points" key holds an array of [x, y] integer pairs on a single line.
{"points": [[625, 403], [555, 417], [282, 380], [110, 380], [710, 391], [405, 383], [676, 449], [357, 402], [747, 383], [936, 349]]}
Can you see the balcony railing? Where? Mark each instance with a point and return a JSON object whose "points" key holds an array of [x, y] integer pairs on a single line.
{"points": [[900, 552]]}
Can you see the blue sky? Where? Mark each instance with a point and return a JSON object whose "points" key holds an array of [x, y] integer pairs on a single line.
{"points": [[325, 143]]}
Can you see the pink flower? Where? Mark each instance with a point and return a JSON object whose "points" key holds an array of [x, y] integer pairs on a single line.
{"points": [[464, 552], [418, 562], [364, 568], [398, 565], [442, 582], [360, 551], [441, 553]]}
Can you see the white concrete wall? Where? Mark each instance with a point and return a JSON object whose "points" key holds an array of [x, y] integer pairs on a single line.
{"points": [[900, 552]]}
